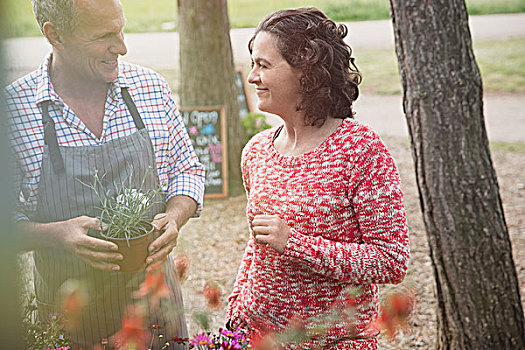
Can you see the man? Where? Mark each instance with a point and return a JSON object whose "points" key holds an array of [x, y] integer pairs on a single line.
{"points": [[82, 111]]}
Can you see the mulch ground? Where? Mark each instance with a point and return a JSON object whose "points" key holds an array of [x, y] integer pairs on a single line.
{"points": [[216, 241], [215, 244]]}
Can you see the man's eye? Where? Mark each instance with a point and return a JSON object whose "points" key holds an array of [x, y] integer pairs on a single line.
{"points": [[106, 36]]}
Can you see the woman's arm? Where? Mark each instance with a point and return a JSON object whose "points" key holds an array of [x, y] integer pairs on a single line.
{"points": [[383, 253], [242, 278]]}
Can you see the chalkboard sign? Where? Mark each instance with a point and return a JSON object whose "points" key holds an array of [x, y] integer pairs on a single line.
{"points": [[207, 130], [243, 95]]}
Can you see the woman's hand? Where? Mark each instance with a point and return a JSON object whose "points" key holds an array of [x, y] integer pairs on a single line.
{"points": [[271, 230]]}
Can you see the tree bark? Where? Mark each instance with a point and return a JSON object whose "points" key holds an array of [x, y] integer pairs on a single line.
{"points": [[477, 288], [208, 72]]}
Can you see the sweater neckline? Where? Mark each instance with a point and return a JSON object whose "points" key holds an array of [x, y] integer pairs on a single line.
{"points": [[289, 159]]}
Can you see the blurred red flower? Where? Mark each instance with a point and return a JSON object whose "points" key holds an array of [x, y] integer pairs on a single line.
{"points": [[181, 266], [132, 333], [74, 299], [212, 295], [154, 285], [394, 315], [266, 342]]}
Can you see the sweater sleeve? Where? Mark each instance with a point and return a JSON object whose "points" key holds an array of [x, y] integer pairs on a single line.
{"points": [[232, 316], [382, 253]]}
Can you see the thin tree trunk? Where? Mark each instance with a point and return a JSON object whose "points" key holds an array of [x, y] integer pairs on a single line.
{"points": [[477, 287], [207, 70]]}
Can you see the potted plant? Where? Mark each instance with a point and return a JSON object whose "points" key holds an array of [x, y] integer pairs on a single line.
{"points": [[124, 214]]}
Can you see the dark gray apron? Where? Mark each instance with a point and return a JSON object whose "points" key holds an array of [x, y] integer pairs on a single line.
{"points": [[62, 197]]}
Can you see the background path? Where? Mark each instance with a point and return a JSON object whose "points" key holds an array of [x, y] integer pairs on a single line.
{"points": [[504, 114]]}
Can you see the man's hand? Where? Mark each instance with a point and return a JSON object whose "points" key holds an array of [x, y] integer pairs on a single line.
{"points": [[271, 230], [161, 247], [72, 235], [99, 253], [178, 210]]}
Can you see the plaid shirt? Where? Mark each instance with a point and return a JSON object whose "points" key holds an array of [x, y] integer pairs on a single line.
{"points": [[179, 170]]}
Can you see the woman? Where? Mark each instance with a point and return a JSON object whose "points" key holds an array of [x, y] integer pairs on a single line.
{"points": [[324, 205]]}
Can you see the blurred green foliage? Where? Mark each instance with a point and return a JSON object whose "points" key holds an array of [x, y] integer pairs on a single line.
{"points": [[161, 15]]}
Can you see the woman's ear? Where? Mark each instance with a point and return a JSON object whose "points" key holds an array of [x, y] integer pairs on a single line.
{"points": [[53, 35]]}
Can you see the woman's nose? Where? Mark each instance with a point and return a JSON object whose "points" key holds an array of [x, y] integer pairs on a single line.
{"points": [[253, 76]]}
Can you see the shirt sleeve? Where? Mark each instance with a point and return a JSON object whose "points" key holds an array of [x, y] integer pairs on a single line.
{"points": [[382, 254], [17, 196], [186, 175]]}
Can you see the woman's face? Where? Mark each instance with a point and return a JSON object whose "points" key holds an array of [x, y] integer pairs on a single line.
{"points": [[277, 83]]}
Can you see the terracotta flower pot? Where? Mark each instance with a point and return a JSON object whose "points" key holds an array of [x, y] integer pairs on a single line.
{"points": [[136, 252]]}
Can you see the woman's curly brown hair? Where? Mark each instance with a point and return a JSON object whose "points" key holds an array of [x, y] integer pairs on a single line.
{"points": [[312, 43]]}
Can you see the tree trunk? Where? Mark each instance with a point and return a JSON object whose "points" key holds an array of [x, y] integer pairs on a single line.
{"points": [[477, 288], [207, 70]]}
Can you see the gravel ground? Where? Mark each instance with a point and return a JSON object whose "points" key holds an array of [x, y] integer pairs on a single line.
{"points": [[215, 244]]}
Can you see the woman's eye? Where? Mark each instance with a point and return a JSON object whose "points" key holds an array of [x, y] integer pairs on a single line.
{"points": [[258, 65]]}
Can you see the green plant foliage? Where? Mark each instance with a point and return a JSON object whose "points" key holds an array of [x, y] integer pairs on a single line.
{"points": [[203, 320], [42, 335], [122, 214], [253, 123]]}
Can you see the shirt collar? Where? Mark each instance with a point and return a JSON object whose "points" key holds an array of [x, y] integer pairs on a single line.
{"points": [[45, 90]]}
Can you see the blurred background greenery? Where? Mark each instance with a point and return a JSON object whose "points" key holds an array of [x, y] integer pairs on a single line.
{"points": [[161, 15], [501, 62]]}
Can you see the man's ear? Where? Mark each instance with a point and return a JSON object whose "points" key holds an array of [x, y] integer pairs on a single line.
{"points": [[53, 35]]}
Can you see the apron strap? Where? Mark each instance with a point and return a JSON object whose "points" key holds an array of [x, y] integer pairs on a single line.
{"points": [[132, 108], [50, 133], [50, 139]]}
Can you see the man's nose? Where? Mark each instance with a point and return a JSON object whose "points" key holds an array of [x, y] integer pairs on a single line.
{"points": [[119, 45]]}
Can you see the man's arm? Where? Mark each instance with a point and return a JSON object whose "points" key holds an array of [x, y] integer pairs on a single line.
{"points": [[178, 210], [71, 235]]}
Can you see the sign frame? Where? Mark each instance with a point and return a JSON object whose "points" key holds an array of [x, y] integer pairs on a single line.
{"points": [[239, 72], [224, 143]]}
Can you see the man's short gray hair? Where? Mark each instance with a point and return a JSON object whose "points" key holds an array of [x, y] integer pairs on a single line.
{"points": [[62, 13]]}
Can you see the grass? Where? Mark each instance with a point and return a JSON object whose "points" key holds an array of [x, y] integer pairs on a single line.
{"points": [[379, 70], [501, 64], [508, 147], [153, 15]]}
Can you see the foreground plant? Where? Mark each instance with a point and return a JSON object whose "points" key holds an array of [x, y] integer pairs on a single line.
{"points": [[154, 286], [48, 334], [124, 214], [395, 312], [225, 339]]}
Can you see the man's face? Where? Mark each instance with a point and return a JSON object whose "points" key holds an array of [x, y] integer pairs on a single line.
{"points": [[93, 48]]}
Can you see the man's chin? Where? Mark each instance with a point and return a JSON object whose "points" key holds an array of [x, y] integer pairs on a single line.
{"points": [[109, 78]]}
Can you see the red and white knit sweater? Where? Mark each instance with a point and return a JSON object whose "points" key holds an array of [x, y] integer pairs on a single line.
{"points": [[344, 205]]}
